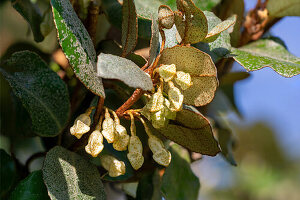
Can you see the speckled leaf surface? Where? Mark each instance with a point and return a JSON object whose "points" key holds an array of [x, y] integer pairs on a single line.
{"points": [[68, 176], [114, 67], [179, 181], [32, 187], [32, 15], [171, 39], [281, 8], [214, 32], [129, 27], [201, 68], [43, 94], [195, 22], [77, 45], [267, 53], [193, 131], [219, 48], [154, 42]]}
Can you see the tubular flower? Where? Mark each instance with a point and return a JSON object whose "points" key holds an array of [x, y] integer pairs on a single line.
{"points": [[95, 143], [108, 127], [82, 124], [113, 166], [184, 80]]}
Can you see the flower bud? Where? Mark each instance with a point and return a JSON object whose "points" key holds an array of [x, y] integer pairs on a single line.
{"points": [[167, 72], [156, 101], [121, 138], [136, 160], [165, 17], [155, 144], [108, 127], [95, 143], [158, 119], [81, 125], [175, 97], [163, 157], [184, 80], [113, 166], [135, 144]]}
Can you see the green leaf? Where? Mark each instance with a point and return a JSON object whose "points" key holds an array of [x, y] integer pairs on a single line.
{"points": [[201, 68], [154, 42], [193, 131], [32, 187], [32, 15], [219, 48], [129, 27], [114, 67], [267, 53], [145, 187], [43, 94], [214, 33], [77, 45], [69, 176], [281, 8], [193, 28], [8, 173], [179, 181]]}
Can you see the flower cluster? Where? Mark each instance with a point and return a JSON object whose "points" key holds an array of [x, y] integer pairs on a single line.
{"points": [[159, 110]]}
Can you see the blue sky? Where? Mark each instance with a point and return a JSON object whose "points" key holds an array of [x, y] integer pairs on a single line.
{"points": [[269, 97]]}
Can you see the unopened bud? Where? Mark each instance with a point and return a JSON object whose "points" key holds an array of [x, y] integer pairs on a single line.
{"points": [[163, 157], [158, 119], [156, 101], [113, 166], [135, 144], [167, 72], [183, 79], [175, 97], [155, 144], [136, 160], [81, 125], [95, 143], [121, 138], [165, 17], [108, 127]]}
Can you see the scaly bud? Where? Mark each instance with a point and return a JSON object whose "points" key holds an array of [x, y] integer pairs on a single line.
{"points": [[108, 127], [183, 79], [167, 72], [81, 125], [156, 102], [121, 138], [113, 166], [175, 97], [95, 143]]}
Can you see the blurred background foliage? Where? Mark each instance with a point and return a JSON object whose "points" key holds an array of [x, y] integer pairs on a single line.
{"points": [[265, 170]]}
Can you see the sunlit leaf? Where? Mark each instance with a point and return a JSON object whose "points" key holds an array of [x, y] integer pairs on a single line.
{"points": [[115, 67], [8, 173], [267, 53], [281, 8], [69, 176], [154, 43], [193, 131], [179, 181], [41, 91], [32, 187], [129, 27], [195, 22], [214, 33], [201, 68], [77, 45], [32, 15]]}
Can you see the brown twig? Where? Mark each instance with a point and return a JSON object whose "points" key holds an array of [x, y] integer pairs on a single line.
{"points": [[98, 110]]}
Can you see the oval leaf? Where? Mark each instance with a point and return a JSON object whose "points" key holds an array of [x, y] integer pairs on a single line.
{"points": [[114, 67], [154, 42], [32, 187], [281, 8], [129, 27], [43, 94], [77, 45], [193, 131], [201, 68], [195, 22], [69, 176], [267, 53], [179, 181]]}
